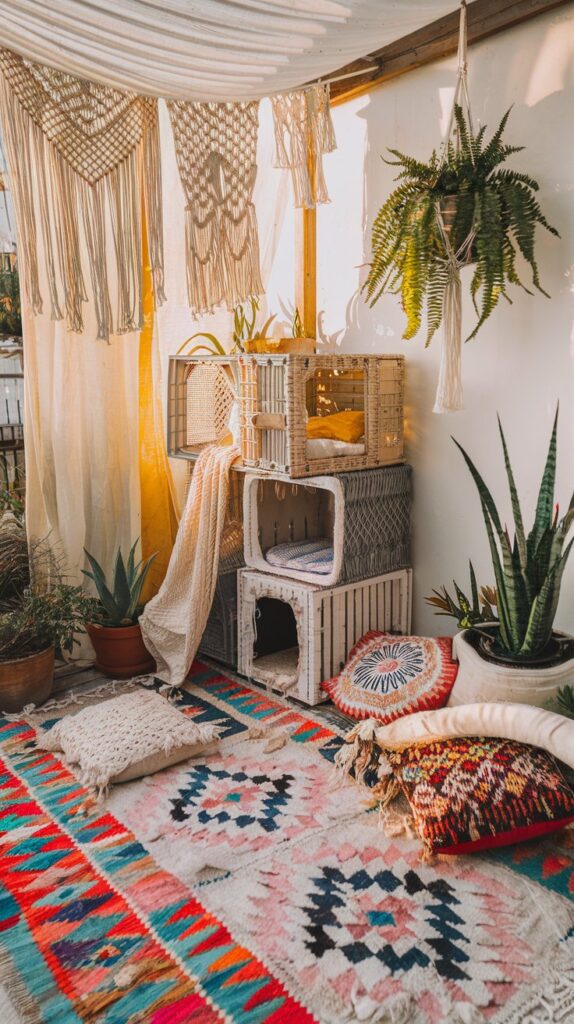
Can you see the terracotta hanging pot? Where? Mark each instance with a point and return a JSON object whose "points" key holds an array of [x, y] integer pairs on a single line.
{"points": [[448, 210], [120, 650], [26, 680]]}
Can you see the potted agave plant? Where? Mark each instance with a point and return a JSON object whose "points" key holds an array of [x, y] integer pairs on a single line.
{"points": [[464, 202], [114, 628], [515, 654]]}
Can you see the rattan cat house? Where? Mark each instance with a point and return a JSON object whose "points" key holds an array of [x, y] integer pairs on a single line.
{"points": [[364, 516], [293, 635], [280, 392]]}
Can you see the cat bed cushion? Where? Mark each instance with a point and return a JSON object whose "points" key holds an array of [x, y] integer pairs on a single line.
{"points": [[325, 448], [387, 676], [303, 556], [469, 794], [339, 426], [136, 734]]}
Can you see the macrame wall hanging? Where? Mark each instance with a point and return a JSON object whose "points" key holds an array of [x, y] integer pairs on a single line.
{"points": [[216, 150], [449, 390], [86, 153], [303, 133]]}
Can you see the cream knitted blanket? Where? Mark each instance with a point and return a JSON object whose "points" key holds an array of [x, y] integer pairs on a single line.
{"points": [[174, 620]]}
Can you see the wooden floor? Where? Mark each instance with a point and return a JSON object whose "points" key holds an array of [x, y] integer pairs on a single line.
{"points": [[70, 677]]}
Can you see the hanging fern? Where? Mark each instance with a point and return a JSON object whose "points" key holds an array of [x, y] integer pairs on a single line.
{"points": [[496, 210]]}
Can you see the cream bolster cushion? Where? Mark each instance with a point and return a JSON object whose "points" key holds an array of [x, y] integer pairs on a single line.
{"points": [[136, 734], [519, 722]]}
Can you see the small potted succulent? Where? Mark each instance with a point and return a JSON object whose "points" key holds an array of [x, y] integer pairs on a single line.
{"points": [[114, 628], [39, 613], [514, 654]]}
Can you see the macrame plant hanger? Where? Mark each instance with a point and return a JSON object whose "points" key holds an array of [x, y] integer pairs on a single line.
{"points": [[449, 390]]}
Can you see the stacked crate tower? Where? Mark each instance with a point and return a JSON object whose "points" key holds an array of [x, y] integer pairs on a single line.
{"points": [[316, 549]]}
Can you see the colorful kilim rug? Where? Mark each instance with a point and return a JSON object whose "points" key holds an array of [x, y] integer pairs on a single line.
{"points": [[251, 886]]}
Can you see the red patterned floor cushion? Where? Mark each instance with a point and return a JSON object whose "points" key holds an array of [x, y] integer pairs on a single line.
{"points": [[470, 794], [387, 676]]}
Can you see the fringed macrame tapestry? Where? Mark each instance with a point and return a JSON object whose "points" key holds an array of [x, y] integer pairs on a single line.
{"points": [[216, 150], [303, 133], [86, 153]]}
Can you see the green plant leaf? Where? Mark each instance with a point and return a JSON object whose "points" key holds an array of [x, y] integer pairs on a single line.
{"points": [[138, 585], [105, 596], [121, 587]]}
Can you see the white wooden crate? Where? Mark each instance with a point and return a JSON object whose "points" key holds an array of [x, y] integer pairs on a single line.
{"points": [[327, 624]]}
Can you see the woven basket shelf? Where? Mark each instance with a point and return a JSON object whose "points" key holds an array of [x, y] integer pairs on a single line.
{"points": [[366, 516], [202, 391], [219, 640], [279, 393], [293, 635]]}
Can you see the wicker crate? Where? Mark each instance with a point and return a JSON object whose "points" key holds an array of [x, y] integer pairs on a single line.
{"points": [[279, 393], [293, 635], [366, 515], [202, 394], [219, 640]]}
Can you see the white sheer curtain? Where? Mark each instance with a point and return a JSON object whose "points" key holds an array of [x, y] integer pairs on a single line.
{"points": [[207, 49]]}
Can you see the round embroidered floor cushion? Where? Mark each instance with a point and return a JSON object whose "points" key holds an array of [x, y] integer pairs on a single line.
{"points": [[387, 676]]}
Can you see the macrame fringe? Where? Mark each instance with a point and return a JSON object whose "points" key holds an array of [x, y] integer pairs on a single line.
{"points": [[216, 152], [449, 390], [304, 132], [53, 198]]}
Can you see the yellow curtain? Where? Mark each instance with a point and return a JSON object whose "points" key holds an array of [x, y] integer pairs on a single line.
{"points": [[159, 512]]}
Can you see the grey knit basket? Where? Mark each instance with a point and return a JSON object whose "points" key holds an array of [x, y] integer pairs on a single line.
{"points": [[366, 513]]}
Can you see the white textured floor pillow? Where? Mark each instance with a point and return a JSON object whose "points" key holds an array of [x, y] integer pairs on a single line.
{"points": [[126, 737], [519, 722]]}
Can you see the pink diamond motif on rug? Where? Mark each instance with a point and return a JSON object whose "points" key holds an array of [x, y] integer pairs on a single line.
{"points": [[235, 805], [359, 921]]}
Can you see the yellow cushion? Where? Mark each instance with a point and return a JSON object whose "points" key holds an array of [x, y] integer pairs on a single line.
{"points": [[341, 426]]}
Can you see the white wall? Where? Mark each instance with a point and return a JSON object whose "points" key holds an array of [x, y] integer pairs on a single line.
{"points": [[523, 359]]}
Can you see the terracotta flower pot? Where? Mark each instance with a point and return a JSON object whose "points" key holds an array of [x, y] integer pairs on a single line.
{"points": [[120, 650], [26, 680]]}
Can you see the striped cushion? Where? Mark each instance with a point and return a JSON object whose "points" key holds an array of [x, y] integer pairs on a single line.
{"points": [[303, 555]]}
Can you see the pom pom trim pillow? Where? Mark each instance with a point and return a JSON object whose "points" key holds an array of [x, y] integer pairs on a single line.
{"points": [[387, 676], [469, 794]]}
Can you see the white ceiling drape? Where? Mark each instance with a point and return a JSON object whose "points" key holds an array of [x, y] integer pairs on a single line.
{"points": [[207, 49]]}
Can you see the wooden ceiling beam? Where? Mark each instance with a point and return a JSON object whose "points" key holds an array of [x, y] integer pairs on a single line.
{"points": [[435, 41]]}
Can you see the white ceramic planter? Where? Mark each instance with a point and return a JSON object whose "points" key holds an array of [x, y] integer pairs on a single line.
{"points": [[480, 681]]}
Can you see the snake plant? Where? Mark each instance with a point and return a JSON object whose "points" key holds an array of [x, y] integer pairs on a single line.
{"points": [[120, 605], [493, 217], [528, 569]]}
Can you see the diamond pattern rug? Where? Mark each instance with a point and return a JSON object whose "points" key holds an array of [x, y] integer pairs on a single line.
{"points": [[253, 887]]}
